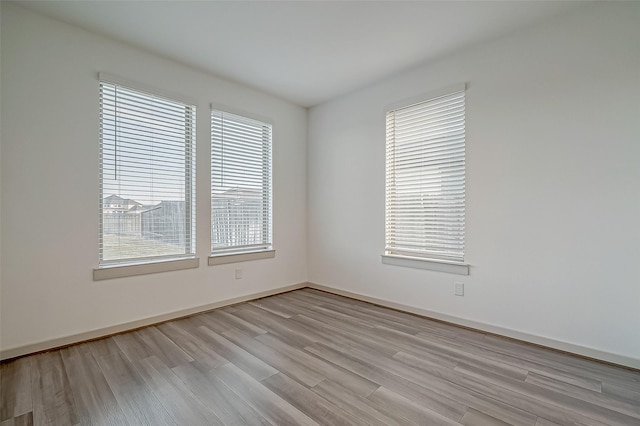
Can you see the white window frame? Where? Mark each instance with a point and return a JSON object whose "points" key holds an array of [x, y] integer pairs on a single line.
{"points": [[124, 267], [437, 242], [220, 116]]}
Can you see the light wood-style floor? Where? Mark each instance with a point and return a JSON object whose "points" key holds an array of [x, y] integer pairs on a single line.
{"points": [[309, 357]]}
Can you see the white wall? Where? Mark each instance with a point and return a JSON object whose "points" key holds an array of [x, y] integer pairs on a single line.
{"points": [[50, 185], [553, 184]]}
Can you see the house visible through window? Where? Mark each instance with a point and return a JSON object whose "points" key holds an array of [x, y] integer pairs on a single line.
{"points": [[147, 170], [425, 179], [240, 184]]}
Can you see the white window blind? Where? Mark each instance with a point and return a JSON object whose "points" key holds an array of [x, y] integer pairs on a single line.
{"points": [[240, 184], [425, 179], [147, 170]]}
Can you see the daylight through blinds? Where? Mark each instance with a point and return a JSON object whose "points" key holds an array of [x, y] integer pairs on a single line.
{"points": [[147, 175], [425, 179], [240, 184]]}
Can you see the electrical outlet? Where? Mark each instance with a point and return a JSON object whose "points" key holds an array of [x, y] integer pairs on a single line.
{"points": [[238, 274], [459, 289]]}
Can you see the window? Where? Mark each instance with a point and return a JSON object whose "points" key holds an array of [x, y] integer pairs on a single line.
{"points": [[425, 180], [147, 170], [240, 185]]}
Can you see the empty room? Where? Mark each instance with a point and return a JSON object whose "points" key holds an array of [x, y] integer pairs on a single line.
{"points": [[320, 213]]}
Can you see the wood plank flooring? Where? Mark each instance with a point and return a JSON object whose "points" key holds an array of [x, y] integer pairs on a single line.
{"points": [[307, 357]]}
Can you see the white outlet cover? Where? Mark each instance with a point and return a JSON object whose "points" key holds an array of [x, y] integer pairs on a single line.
{"points": [[459, 289], [238, 274]]}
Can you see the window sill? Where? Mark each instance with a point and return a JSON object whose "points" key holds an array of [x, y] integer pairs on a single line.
{"points": [[109, 272], [221, 259], [429, 264]]}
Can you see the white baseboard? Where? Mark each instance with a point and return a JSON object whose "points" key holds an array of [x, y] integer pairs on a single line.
{"points": [[584, 351], [132, 325]]}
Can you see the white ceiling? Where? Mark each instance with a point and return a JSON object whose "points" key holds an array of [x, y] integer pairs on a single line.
{"points": [[304, 51]]}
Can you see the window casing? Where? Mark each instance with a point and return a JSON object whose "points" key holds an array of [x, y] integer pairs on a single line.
{"points": [[147, 177], [425, 179], [241, 195]]}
